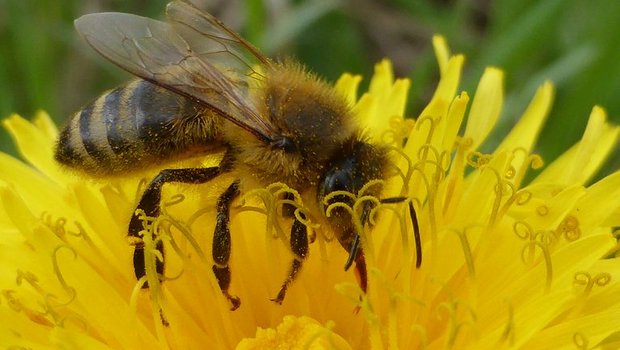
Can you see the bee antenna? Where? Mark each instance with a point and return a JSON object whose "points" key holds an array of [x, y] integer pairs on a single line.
{"points": [[414, 222]]}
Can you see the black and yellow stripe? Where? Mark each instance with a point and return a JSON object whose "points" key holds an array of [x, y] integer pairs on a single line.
{"points": [[133, 127]]}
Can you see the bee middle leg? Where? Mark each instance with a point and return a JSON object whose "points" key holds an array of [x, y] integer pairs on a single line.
{"points": [[150, 204], [222, 243], [299, 248]]}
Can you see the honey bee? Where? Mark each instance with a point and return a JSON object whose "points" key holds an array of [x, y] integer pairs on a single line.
{"points": [[199, 93]]}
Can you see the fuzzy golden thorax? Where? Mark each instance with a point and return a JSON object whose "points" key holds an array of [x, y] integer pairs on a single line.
{"points": [[315, 120]]}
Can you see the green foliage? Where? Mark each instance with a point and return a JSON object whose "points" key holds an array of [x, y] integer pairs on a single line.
{"points": [[575, 43]]}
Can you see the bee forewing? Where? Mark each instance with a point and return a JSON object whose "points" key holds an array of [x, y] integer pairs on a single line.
{"points": [[208, 36], [155, 51]]}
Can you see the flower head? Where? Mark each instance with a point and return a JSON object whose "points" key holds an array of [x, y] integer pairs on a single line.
{"points": [[504, 264]]}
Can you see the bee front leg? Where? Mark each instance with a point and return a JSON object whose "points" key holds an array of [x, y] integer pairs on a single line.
{"points": [[299, 247], [356, 254], [150, 204], [222, 243]]}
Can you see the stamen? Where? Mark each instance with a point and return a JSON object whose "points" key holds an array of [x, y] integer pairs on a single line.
{"points": [[172, 201], [151, 236], [509, 331], [394, 298], [405, 177], [75, 317], [438, 158], [532, 161], [467, 254], [455, 325], [581, 341], [197, 214], [358, 202], [399, 129], [455, 175], [510, 172], [16, 305], [135, 293], [368, 185], [477, 159], [463, 143], [30, 278], [584, 278], [334, 194], [80, 232], [186, 231], [68, 289], [534, 240], [58, 227], [423, 336], [353, 292], [356, 295], [271, 196], [139, 190], [569, 227], [401, 220], [13, 301], [431, 195], [542, 210], [431, 130], [499, 194], [518, 198]]}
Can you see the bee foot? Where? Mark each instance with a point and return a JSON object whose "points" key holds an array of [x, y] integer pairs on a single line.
{"points": [[234, 300], [281, 294]]}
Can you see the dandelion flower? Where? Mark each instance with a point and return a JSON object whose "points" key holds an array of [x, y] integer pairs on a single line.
{"points": [[505, 264]]}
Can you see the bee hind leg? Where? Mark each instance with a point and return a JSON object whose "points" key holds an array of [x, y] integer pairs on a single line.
{"points": [[150, 204], [299, 247], [222, 243]]}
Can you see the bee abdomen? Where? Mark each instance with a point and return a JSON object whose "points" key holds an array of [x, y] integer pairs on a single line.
{"points": [[133, 127]]}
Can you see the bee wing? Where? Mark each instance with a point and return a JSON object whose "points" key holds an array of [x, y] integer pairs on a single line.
{"points": [[197, 57], [223, 44]]}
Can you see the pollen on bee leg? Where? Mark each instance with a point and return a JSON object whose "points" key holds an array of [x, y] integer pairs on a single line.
{"points": [[151, 242]]}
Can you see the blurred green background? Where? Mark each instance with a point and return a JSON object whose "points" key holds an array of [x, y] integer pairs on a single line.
{"points": [[575, 43]]}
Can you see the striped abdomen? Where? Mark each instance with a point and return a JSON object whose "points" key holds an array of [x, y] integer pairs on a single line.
{"points": [[134, 127]]}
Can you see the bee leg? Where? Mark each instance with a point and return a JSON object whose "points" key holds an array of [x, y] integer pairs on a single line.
{"points": [[353, 250], [299, 247], [221, 243], [356, 255], [360, 269], [150, 204]]}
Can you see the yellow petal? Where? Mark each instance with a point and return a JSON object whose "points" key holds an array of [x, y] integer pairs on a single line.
{"points": [[34, 143], [75, 340], [385, 101], [600, 201], [486, 106], [579, 164], [525, 133], [442, 53], [44, 123], [348, 84]]}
